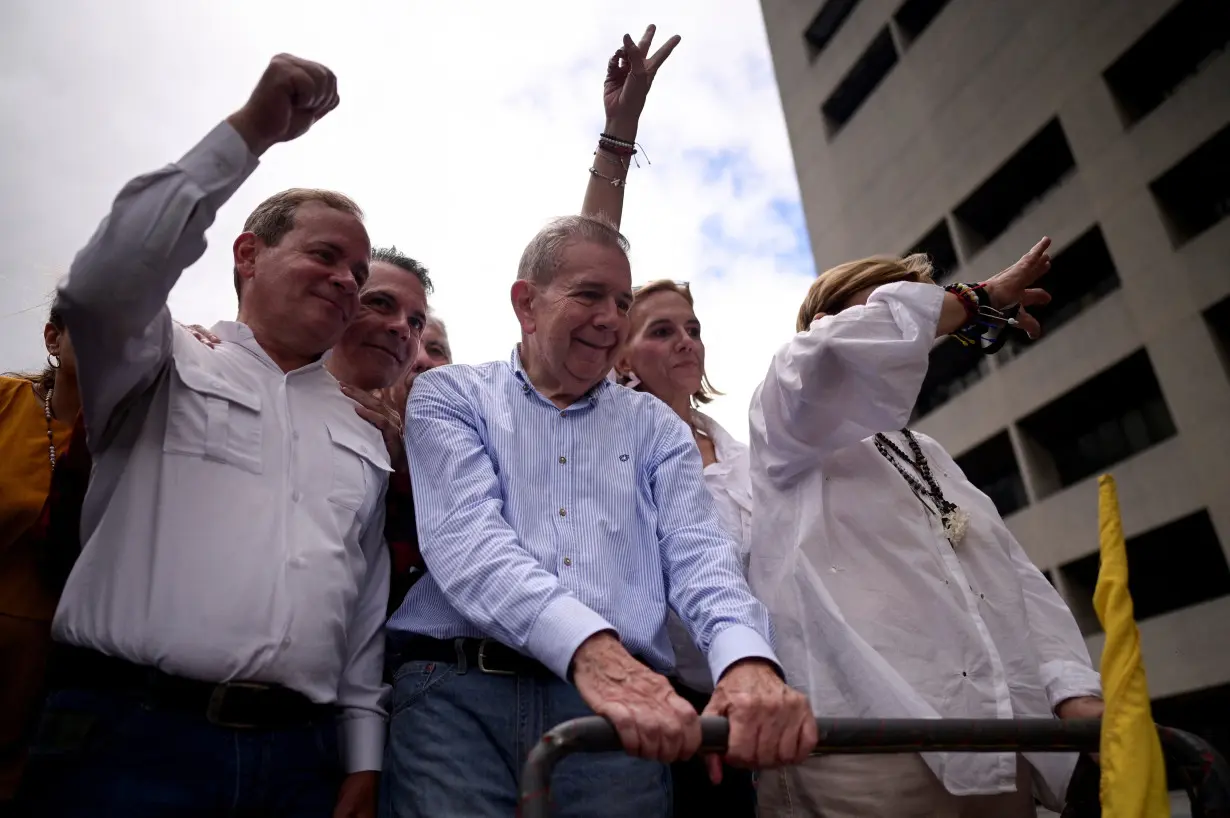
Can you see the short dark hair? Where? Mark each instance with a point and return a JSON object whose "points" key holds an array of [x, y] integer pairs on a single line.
{"points": [[391, 255], [275, 217]]}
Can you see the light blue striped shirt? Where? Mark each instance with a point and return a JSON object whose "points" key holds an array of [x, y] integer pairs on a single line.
{"points": [[542, 527]]}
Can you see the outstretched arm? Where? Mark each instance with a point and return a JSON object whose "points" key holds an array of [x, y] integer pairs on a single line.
{"points": [[629, 74], [114, 297]]}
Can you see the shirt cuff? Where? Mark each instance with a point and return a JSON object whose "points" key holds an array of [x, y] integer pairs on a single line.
{"points": [[220, 161], [1065, 679], [361, 735], [738, 642], [560, 629]]}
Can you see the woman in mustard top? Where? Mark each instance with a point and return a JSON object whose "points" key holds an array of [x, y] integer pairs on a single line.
{"points": [[37, 414]]}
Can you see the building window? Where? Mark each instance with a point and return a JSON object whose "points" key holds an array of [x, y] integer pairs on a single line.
{"points": [[1178, 46], [860, 82], [915, 15], [992, 467], [937, 245], [1218, 319], [825, 24], [1110, 417], [1170, 567], [1194, 195], [953, 368], [1081, 274], [1039, 165]]}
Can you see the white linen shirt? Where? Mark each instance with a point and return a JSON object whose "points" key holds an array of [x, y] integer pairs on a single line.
{"points": [[729, 482], [233, 527], [876, 614]]}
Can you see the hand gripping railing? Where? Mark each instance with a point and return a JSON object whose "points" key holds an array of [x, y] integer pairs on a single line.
{"points": [[1202, 771]]}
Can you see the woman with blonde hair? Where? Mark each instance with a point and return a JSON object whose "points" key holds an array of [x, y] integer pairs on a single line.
{"points": [[664, 355], [895, 587]]}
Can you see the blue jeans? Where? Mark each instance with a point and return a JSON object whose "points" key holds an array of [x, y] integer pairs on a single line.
{"points": [[458, 738], [112, 754]]}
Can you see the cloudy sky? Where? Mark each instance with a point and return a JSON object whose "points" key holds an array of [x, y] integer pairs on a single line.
{"points": [[463, 127]]}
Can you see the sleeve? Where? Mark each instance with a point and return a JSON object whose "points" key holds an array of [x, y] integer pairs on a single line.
{"points": [[361, 693], [850, 375], [401, 532], [114, 296], [1066, 669], [469, 549], [705, 581]]}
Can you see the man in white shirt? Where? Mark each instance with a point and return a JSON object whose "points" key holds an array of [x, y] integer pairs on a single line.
{"points": [[225, 614]]}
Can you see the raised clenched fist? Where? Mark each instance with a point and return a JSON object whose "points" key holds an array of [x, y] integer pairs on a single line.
{"points": [[290, 97]]}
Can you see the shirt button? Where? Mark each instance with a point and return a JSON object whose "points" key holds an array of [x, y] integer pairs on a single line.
{"points": [[963, 673], [295, 496], [563, 513], [563, 459], [563, 414], [567, 560]]}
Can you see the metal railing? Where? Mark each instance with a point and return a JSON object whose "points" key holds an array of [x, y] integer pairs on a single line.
{"points": [[1202, 771]]}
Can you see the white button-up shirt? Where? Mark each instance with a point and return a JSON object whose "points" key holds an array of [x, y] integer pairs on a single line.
{"points": [[233, 528], [877, 615], [730, 485]]}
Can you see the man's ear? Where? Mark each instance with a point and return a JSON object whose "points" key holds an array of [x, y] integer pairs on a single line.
{"points": [[523, 295], [244, 253]]}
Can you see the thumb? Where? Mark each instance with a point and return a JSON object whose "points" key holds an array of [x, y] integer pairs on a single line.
{"points": [[713, 763]]}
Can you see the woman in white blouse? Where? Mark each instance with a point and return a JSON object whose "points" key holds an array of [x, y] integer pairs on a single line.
{"points": [[895, 587], [665, 356]]}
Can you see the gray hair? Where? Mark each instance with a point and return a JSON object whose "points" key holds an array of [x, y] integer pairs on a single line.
{"points": [[433, 317], [542, 255], [391, 255]]}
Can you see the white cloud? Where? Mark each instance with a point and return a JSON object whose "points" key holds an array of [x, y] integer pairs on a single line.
{"points": [[463, 127]]}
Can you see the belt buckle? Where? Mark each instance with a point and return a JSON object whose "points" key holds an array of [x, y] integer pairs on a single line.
{"points": [[482, 661], [213, 712]]}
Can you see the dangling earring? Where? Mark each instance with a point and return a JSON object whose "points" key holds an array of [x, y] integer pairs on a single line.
{"points": [[630, 380], [53, 360]]}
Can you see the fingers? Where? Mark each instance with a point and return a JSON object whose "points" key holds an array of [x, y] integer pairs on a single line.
{"points": [[662, 53], [646, 39], [621, 717], [1038, 249], [1028, 323], [688, 721], [636, 60], [1034, 297], [713, 763], [807, 736]]}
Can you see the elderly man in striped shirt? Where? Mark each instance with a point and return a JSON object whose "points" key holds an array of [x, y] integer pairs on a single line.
{"points": [[559, 515]]}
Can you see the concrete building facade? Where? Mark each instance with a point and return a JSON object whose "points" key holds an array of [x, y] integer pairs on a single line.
{"points": [[968, 129]]}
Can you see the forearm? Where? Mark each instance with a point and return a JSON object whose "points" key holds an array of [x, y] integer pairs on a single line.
{"points": [[604, 198], [114, 297]]}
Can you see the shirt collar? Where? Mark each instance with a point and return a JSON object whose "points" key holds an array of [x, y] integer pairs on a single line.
{"points": [[234, 332], [589, 398]]}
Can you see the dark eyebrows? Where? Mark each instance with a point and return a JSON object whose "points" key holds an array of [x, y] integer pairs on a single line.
{"points": [[368, 294]]}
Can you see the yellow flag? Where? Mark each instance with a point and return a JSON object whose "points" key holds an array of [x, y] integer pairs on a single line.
{"points": [[1133, 771]]}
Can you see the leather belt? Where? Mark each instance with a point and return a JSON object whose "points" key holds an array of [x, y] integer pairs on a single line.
{"points": [[487, 655], [233, 705]]}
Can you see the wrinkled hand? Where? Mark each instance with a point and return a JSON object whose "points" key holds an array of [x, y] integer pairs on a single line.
{"points": [[652, 720], [629, 73], [356, 798], [1015, 286], [378, 412], [290, 97], [771, 724], [203, 335]]}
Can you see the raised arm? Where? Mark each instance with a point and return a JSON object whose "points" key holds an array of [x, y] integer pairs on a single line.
{"points": [[858, 372], [114, 297], [629, 74], [470, 550]]}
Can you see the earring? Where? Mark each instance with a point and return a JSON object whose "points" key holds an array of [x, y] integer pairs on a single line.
{"points": [[53, 360], [630, 380]]}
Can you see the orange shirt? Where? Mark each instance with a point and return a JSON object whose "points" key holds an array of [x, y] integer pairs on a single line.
{"points": [[25, 479]]}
